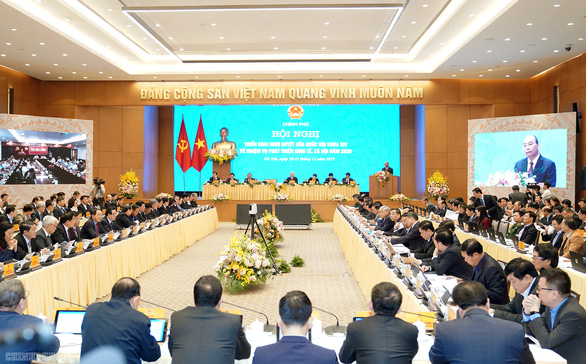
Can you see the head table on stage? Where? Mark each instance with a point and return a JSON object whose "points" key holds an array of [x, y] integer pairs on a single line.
{"points": [[305, 192]]}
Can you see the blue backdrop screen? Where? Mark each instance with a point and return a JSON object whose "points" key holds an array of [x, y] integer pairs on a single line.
{"points": [[274, 140]]}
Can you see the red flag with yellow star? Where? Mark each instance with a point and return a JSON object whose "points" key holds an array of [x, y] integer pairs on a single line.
{"points": [[183, 151], [200, 148]]}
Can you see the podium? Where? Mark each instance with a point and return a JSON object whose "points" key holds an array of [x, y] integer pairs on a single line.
{"points": [[222, 170], [390, 188]]}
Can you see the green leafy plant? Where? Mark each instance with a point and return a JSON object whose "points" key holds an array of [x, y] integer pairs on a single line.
{"points": [[283, 266], [315, 218], [297, 261]]}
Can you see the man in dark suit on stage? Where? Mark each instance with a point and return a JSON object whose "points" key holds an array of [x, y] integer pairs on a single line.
{"points": [[487, 271], [91, 229], [330, 179], [447, 259], [291, 178], [386, 168], [347, 180], [487, 340], [488, 201], [118, 323], [412, 238], [123, 218], [562, 327], [295, 321], [204, 332], [523, 277], [108, 223], [535, 164], [381, 338], [529, 231]]}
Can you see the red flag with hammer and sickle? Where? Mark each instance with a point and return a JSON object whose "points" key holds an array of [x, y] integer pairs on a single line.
{"points": [[183, 151], [200, 148]]}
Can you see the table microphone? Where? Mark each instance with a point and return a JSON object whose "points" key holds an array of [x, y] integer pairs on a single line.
{"points": [[267, 327], [154, 304], [334, 329], [71, 303]]}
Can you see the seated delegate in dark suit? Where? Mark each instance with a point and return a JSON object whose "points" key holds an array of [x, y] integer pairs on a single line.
{"points": [[387, 169], [214, 178], [542, 169], [291, 178], [487, 271], [330, 179], [385, 223], [9, 215], [28, 233], [204, 332], [567, 334], [232, 178], [91, 228], [424, 254], [529, 232], [61, 234], [12, 305], [449, 260], [123, 218], [523, 277], [295, 321], [43, 239], [381, 338], [347, 180], [108, 223], [117, 323], [475, 337], [412, 238]]}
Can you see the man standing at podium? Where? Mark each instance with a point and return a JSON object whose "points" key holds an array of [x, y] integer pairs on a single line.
{"points": [[388, 169]]}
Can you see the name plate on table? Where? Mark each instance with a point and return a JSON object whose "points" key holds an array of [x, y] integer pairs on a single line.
{"points": [[426, 317], [79, 247], [521, 245], [110, 237], [363, 313], [135, 229], [103, 211], [87, 214], [452, 313], [57, 253], [153, 312], [35, 261], [408, 271], [96, 242], [16, 227], [232, 311], [124, 233], [8, 270]]}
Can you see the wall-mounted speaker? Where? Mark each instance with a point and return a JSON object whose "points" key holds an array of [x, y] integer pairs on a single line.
{"points": [[578, 115], [11, 100], [556, 99]]}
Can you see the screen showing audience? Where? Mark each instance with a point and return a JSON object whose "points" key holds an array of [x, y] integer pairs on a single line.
{"points": [[507, 158], [42, 158], [274, 140]]}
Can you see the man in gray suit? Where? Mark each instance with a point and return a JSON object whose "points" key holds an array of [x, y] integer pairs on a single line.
{"points": [[204, 334], [562, 327], [43, 239], [475, 337]]}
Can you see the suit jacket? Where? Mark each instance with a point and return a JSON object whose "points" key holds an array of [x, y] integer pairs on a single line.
{"points": [[412, 239], [42, 241], [107, 227], [380, 339], [117, 324], [488, 340], [426, 251], [82, 209], [123, 220], [387, 169], [441, 212], [328, 180], [142, 217], [152, 215], [529, 235], [15, 352], [498, 213], [513, 311], [518, 196], [544, 169], [385, 224], [289, 179], [546, 220], [294, 349], [492, 277], [347, 180], [21, 217], [193, 203], [574, 243], [88, 230], [207, 336], [5, 217], [555, 238], [60, 234], [568, 337], [451, 263], [22, 247], [490, 204], [58, 211]]}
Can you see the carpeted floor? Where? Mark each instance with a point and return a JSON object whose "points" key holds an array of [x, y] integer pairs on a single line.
{"points": [[326, 277]]}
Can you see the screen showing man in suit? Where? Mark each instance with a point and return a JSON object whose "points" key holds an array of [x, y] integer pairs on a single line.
{"points": [[273, 140], [538, 155]]}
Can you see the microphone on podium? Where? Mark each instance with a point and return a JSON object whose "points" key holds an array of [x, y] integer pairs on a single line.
{"points": [[154, 304], [331, 330], [71, 303], [267, 327]]}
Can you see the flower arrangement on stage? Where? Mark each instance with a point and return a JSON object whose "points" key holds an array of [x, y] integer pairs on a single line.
{"points": [[507, 178], [220, 197], [272, 228], [281, 197], [437, 185], [399, 197], [128, 186], [220, 155], [382, 177], [242, 264], [163, 194], [339, 198], [278, 187]]}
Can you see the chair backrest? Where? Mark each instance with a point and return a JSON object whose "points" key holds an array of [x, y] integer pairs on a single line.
{"points": [[576, 295], [503, 264], [503, 227], [495, 224]]}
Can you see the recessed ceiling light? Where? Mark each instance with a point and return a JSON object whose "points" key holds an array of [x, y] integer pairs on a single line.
{"points": [[474, 61], [325, 37], [522, 51], [395, 47], [158, 49], [228, 49], [406, 75], [556, 51], [14, 29], [64, 54], [170, 38], [535, 61], [8, 44], [529, 24], [181, 49], [489, 51], [83, 64], [144, 38], [461, 70], [323, 48], [377, 36], [470, 15], [490, 70], [34, 54], [195, 76], [580, 38], [453, 75], [425, 5], [157, 25], [237, 76], [413, 22], [505, 61], [100, 72], [85, 77], [128, 26], [109, 76], [363, 75], [518, 70], [327, 23], [442, 43], [67, 19], [213, 24], [570, 24], [60, 77], [480, 75], [508, 76], [403, 36], [543, 38], [507, 39], [221, 37], [27, 64], [273, 37], [276, 48], [556, 5], [75, 73], [279, 76], [110, 9], [2, 55]]}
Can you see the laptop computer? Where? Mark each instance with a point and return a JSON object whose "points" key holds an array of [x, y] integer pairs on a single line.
{"points": [[577, 261], [159, 329], [68, 321], [491, 234], [501, 238]]}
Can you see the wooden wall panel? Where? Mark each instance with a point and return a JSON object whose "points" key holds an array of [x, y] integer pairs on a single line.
{"points": [[458, 117], [165, 149], [151, 151], [408, 159], [477, 91], [58, 93]]}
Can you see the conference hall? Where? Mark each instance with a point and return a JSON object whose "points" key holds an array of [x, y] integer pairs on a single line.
{"points": [[320, 171]]}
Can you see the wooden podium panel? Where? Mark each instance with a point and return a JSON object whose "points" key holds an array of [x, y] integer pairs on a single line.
{"points": [[223, 170], [390, 188]]}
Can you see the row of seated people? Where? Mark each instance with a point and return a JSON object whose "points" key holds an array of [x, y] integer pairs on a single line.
{"points": [[544, 309], [439, 251], [291, 179], [59, 226]]}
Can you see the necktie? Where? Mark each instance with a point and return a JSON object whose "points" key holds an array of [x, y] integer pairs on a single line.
{"points": [[28, 244], [97, 228], [530, 167], [483, 204], [561, 251], [67, 232], [475, 273]]}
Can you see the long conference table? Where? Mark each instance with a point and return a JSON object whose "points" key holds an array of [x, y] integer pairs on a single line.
{"points": [[369, 270], [304, 192], [83, 279]]}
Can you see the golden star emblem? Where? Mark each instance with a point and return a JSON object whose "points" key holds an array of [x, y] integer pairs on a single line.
{"points": [[199, 143]]}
